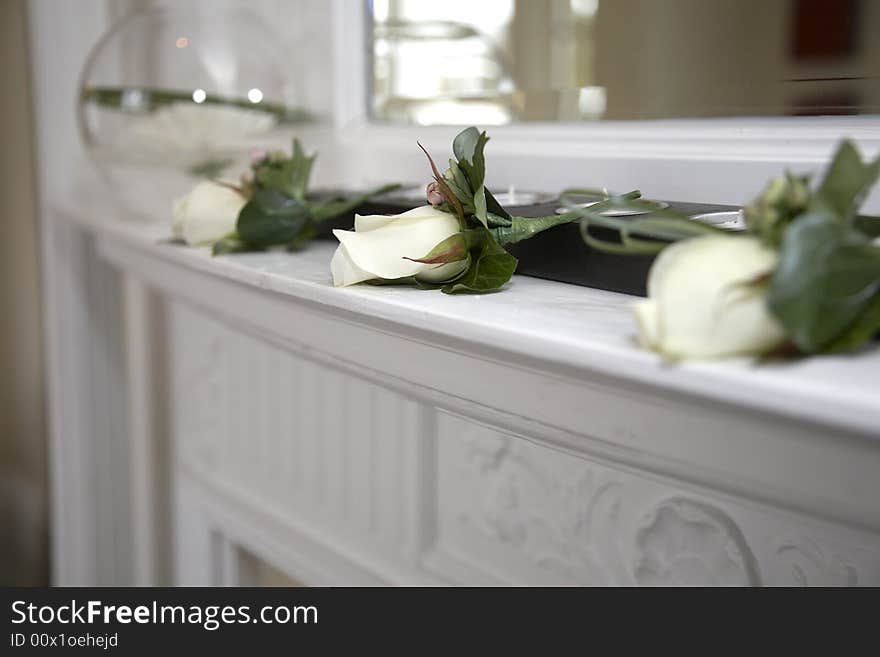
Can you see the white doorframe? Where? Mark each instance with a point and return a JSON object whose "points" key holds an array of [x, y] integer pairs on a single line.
{"points": [[90, 539]]}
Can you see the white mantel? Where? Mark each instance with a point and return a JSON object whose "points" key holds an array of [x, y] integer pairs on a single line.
{"points": [[517, 437], [392, 435]]}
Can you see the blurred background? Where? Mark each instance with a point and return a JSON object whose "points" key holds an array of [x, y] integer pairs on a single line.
{"points": [[23, 476], [454, 62], [500, 61], [43, 55]]}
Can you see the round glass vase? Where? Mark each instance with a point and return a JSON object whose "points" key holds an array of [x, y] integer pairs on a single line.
{"points": [[171, 96]]}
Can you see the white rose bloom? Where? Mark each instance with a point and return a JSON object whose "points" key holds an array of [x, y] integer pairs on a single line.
{"points": [[379, 245], [698, 305], [208, 213]]}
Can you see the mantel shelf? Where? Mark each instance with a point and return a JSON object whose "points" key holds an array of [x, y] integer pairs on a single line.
{"points": [[570, 330]]}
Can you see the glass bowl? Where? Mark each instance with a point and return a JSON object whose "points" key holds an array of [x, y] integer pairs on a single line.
{"points": [[170, 96]]}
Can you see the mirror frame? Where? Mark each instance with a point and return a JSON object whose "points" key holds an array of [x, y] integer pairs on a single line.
{"points": [[723, 160]]}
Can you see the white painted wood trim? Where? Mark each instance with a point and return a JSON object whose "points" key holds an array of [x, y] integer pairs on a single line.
{"points": [[86, 409], [91, 541], [562, 341], [762, 453], [147, 440], [721, 160], [538, 441]]}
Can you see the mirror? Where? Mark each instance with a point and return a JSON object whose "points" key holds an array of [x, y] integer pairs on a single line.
{"points": [[493, 62]]}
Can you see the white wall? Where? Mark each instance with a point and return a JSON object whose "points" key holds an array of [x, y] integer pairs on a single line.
{"points": [[23, 509]]}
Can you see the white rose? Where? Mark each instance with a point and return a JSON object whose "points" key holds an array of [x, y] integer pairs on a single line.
{"points": [[379, 246], [700, 304], [208, 213]]}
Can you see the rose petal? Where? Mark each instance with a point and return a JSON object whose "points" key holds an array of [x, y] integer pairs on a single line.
{"points": [[208, 213], [382, 251], [365, 223], [344, 270], [646, 317], [443, 272], [704, 306]]}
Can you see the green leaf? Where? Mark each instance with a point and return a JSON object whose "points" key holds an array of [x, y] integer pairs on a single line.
{"points": [[783, 200], [496, 221], [406, 280], [522, 228], [846, 183], [466, 177], [289, 175], [272, 218], [306, 235], [409, 281], [451, 198], [151, 98], [866, 326], [210, 168], [465, 143], [276, 203], [491, 267], [494, 207], [230, 244], [468, 149], [480, 211], [870, 226], [300, 170], [323, 211], [599, 194], [827, 279], [657, 229], [459, 186], [453, 249]]}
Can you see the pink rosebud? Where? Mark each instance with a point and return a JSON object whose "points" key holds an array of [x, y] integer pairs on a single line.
{"points": [[257, 155], [432, 191]]}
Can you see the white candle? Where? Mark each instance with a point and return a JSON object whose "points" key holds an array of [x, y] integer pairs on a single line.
{"points": [[512, 197]]}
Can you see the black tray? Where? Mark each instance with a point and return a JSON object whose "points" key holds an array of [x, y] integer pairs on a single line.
{"points": [[558, 254]]}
